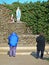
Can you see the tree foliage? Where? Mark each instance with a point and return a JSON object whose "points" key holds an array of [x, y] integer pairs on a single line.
{"points": [[36, 16]]}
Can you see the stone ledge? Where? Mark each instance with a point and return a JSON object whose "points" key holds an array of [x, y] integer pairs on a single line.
{"points": [[22, 48], [24, 53]]}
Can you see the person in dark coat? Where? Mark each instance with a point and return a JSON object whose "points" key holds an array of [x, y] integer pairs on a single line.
{"points": [[13, 41], [40, 45]]}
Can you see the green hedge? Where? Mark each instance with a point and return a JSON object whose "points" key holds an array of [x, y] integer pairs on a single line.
{"points": [[36, 16]]}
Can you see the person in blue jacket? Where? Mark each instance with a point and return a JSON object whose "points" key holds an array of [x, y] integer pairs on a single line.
{"points": [[12, 41]]}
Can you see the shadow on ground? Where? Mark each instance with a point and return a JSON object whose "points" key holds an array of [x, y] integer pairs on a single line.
{"points": [[44, 58], [33, 54], [8, 52]]}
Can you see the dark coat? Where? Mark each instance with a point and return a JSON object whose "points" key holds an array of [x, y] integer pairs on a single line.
{"points": [[40, 42]]}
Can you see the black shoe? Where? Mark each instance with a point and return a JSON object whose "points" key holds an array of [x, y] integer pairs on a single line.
{"points": [[13, 56], [41, 57]]}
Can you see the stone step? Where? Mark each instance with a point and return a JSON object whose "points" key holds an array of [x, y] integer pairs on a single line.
{"points": [[24, 53], [22, 50], [19, 28]]}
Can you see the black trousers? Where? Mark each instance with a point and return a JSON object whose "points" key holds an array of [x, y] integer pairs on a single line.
{"points": [[42, 53]]}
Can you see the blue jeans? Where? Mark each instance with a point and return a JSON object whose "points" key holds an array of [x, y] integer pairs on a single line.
{"points": [[12, 51]]}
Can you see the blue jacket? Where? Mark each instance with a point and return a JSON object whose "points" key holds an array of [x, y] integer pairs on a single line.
{"points": [[13, 39]]}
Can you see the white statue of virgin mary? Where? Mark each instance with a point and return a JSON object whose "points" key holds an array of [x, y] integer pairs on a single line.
{"points": [[18, 14]]}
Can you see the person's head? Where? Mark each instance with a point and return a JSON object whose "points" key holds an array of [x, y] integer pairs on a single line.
{"points": [[18, 7], [41, 33], [13, 33]]}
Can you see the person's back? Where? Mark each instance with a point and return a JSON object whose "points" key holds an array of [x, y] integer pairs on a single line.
{"points": [[40, 42], [40, 45], [13, 41]]}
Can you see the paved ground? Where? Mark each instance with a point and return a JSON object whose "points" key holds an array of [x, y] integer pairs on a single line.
{"points": [[22, 60]]}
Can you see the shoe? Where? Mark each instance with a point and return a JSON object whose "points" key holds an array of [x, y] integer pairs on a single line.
{"points": [[10, 56], [13, 56], [41, 57]]}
